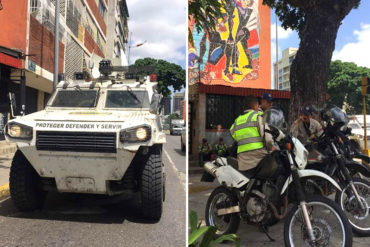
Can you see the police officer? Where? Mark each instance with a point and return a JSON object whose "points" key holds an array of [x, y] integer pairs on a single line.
{"points": [[221, 148], [305, 128], [204, 152], [248, 131], [266, 102]]}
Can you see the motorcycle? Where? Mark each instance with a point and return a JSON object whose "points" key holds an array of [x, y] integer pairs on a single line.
{"points": [[351, 150], [332, 158], [261, 195]]}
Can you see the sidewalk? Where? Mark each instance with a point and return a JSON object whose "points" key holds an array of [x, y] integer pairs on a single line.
{"points": [[249, 234], [5, 161], [7, 147]]}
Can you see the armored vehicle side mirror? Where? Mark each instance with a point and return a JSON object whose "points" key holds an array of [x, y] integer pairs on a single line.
{"points": [[155, 103]]}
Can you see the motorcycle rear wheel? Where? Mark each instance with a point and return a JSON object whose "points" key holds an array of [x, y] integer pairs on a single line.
{"points": [[222, 197], [358, 218], [329, 223]]}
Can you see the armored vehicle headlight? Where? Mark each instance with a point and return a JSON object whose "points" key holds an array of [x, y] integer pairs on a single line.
{"points": [[137, 134], [141, 133], [21, 131]]}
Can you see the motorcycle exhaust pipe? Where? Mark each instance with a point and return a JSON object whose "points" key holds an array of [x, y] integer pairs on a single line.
{"points": [[210, 168]]}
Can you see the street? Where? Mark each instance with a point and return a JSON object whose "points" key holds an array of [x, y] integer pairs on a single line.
{"points": [[249, 234], [88, 220]]}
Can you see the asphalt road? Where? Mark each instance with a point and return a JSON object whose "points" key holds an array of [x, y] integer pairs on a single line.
{"points": [[86, 220]]}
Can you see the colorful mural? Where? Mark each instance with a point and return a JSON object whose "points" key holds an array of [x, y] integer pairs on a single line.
{"points": [[233, 53]]}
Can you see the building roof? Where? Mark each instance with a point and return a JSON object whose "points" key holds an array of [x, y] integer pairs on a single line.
{"points": [[226, 90]]}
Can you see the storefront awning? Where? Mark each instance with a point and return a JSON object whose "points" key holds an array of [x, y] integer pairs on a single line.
{"points": [[225, 90], [10, 61]]}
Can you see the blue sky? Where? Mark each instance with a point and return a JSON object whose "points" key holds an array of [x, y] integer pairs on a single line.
{"points": [[352, 43], [163, 25]]}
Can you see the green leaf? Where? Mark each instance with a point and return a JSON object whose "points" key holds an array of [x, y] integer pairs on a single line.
{"points": [[208, 236], [193, 218], [197, 234], [229, 237]]}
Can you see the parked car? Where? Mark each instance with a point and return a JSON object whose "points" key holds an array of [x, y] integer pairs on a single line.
{"points": [[358, 133]]}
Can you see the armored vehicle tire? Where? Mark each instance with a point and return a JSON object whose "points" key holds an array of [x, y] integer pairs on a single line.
{"points": [[25, 189], [152, 188]]}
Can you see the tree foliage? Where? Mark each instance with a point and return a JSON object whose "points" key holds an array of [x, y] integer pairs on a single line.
{"points": [[294, 14], [168, 74], [317, 23], [204, 14], [172, 116], [344, 86]]}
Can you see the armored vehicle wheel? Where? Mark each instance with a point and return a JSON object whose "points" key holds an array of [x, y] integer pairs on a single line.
{"points": [[152, 188], [25, 188]]}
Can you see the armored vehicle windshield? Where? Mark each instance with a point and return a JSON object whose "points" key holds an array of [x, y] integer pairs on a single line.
{"points": [[127, 99], [75, 98]]}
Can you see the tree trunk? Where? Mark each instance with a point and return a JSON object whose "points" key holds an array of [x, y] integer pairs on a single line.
{"points": [[310, 69]]}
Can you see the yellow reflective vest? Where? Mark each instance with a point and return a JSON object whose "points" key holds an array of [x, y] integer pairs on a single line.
{"points": [[245, 132]]}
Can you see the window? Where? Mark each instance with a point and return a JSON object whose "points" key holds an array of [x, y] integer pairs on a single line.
{"points": [[127, 99], [76, 98], [118, 10], [117, 50], [291, 58], [34, 5], [218, 110], [102, 8], [280, 71], [98, 41], [118, 32]]}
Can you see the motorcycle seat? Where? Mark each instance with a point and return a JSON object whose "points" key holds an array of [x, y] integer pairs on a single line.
{"points": [[233, 162]]}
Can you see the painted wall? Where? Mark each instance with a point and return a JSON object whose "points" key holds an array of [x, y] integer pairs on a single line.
{"points": [[13, 24], [238, 52]]}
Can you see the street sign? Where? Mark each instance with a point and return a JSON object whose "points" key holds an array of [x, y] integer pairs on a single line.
{"points": [[365, 86], [31, 66]]}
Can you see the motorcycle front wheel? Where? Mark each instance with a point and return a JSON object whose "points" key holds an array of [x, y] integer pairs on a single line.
{"points": [[359, 218], [329, 223], [221, 198]]}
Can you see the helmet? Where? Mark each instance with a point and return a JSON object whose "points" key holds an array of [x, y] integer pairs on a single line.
{"points": [[274, 117], [334, 116]]}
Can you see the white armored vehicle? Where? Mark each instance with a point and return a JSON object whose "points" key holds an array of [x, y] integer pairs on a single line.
{"points": [[100, 137]]}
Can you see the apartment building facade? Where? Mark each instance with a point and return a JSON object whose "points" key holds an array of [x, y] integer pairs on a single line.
{"points": [[177, 100], [86, 35], [282, 69]]}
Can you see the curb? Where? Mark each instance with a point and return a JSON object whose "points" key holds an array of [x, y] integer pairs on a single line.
{"points": [[200, 188], [4, 191], [195, 170]]}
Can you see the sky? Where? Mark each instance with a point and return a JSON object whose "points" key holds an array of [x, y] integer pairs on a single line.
{"points": [[352, 43], [163, 25]]}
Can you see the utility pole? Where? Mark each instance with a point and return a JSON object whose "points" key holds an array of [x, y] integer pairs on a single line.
{"points": [[129, 48], [56, 45]]}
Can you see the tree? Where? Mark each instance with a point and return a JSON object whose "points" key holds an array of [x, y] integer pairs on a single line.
{"points": [[344, 86], [204, 14], [317, 23], [168, 74], [172, 116]]}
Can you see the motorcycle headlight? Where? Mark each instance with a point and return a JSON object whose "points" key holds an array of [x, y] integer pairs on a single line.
{"points": [[16, 130], [137, 134]]}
